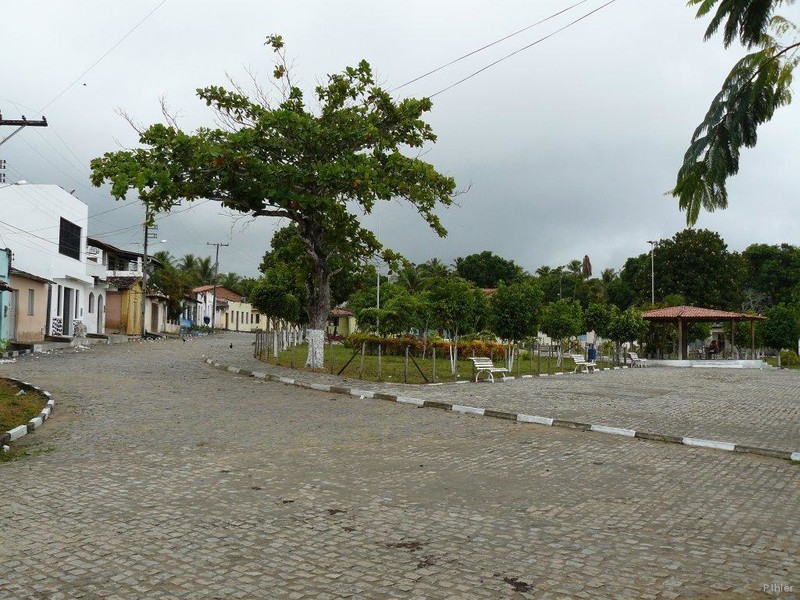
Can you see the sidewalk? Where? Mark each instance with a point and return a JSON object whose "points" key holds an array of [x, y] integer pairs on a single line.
{"points": [[751, 409]]}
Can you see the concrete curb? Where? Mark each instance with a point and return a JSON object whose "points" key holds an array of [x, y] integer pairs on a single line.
{"points": [[14, 434], [522, 418], [15, 353]]}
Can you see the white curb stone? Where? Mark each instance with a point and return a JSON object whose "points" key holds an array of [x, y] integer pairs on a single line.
{"points": [[614, 430], [36, 422], [260, 375], [534, 419], [729, 446], [320, 387], [527, 377], [46, 411], [407, 400], [362, 393], [286, 380], [467, 409], [18, 432], [233, 370], [796, 456]]}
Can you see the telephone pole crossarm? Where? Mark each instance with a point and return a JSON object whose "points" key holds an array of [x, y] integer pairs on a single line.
{"points": [[20, 124]]}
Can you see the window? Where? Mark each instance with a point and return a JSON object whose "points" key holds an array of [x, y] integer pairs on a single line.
{"points": [[258, 318], [58, 304], [30, 302], [91, 302], [69, 240]]}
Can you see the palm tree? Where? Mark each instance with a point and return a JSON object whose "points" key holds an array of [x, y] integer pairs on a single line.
{"points": [[164, 257], [608, 275], [188, 263], [434, 268], [411, 278], [204, 271]]}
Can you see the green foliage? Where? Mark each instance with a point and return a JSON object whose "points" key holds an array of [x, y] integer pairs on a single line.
{"points": [[276, 301], [456, 305], [515, 310], [309, 165], [562, 319], [789, 358], [597, 318], [694, 264], [756, 86], [487, 270], [627, 325], [782, 327], [773, 272]]}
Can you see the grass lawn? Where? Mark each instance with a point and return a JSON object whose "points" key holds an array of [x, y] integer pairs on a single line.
{"points": [[16, 409], [393, 368]]}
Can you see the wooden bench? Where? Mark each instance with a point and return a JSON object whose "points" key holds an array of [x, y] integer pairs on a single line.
{"points": [[483, 364], [637, 362], [581, 364]]}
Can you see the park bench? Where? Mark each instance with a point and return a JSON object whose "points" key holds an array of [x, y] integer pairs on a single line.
{"points": [[637, 362], [581, 364], [483, 364]]}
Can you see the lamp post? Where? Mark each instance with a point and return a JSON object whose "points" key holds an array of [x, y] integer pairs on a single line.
{"points": [[653, 245]]}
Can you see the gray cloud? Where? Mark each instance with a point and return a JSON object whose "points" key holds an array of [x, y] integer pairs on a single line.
{"points": [[569, 146]]}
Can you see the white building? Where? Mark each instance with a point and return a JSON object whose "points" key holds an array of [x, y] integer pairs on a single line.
{"points": [[45, 228]]}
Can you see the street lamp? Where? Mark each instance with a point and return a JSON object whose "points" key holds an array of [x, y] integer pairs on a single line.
{"points": [[653, 245]]}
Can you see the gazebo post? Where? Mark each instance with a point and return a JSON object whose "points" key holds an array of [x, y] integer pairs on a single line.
{"points": [[733, 329], [752, 339], [680, 339]]}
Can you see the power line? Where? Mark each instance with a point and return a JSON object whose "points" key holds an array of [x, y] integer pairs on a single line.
{"points": [[540, 40], [97, 62], [489, 45]]}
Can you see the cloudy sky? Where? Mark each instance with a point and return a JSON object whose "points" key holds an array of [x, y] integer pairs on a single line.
{"points": [[567, 148]]}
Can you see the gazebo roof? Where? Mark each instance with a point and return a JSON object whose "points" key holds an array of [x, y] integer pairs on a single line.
{"points": [[697, 313]]}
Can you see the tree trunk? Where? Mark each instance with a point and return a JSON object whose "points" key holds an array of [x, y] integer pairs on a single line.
{"points": [[319, 310]]}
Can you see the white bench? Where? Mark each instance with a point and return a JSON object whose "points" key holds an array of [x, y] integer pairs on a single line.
{"points": [[483, 364], [581, 364], [637, 362]]}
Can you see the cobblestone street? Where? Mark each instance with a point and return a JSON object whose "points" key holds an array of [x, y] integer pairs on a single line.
{"points": [[162, 477]]}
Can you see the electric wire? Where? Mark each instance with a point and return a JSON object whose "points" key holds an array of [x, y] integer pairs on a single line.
{"points": [[489, 45], [99, 60], [507, 56]]}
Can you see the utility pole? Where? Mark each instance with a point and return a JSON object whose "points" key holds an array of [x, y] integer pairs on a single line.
{"points": [[216, 276], [147, 235], [20, 124], [653, 245]]}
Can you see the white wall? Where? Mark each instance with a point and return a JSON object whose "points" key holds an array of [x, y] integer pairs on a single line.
{"points": [[32, 215]]}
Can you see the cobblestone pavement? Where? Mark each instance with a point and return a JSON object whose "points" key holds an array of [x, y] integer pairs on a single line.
{"points": [[161, 477], [746, 406]]}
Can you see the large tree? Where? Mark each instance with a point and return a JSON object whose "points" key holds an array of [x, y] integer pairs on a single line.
{"points": [[487, 270], [695, 264], [514, 312], [288, 160], [757, 85]]}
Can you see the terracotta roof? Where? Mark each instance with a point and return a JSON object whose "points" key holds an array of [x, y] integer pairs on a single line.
{"points": [[123, 283], [222, 292], [696, 313], [341, 312], [26, 275]]}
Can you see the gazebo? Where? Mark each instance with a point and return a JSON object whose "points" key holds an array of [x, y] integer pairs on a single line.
{"points": [[684, 315]]}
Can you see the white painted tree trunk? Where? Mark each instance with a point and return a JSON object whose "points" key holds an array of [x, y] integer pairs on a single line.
{"points": [[316, 348]]}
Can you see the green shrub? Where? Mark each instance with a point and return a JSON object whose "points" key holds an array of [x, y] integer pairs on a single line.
{"points": [[789, 358]]}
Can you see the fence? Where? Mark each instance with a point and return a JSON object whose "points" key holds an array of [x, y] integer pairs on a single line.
{"points": [[408, 364]]}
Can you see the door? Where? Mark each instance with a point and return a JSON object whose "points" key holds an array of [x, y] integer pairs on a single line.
{"points": [[154, 318], [100, 315], [67, 312]]}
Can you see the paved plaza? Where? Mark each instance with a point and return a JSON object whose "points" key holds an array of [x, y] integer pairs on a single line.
{"points": [[162, 477]]}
